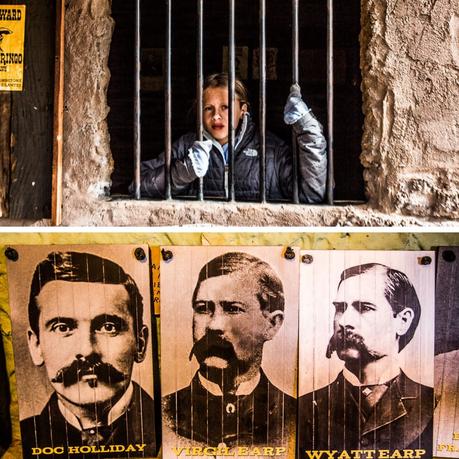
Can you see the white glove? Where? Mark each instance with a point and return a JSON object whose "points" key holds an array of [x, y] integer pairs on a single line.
{"points": [[295, 108], [199, 155]]}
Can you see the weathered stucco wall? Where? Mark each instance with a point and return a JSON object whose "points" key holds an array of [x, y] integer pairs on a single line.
{"points": [[87, 159], [410, 66]]}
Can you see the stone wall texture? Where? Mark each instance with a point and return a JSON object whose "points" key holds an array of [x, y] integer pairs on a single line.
{"points": [[410, 69]]}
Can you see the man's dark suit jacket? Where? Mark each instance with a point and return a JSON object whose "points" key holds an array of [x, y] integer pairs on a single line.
{"points": [[264, 417], [135, 426], [330, 418], [5, 420]]}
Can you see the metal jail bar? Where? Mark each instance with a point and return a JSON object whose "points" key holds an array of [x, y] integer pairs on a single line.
{"points": [[295, 80], [262, 101], [137, 108], [231, 91], [199, 85], [229, 173], [330, 101], [168, 96]]}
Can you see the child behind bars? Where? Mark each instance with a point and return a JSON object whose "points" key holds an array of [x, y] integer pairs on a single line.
{"points": [[192, 159]]}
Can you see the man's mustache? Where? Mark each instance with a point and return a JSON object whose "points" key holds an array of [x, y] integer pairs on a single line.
{"points": [[212, 345], [345, 339], [91, 370]]}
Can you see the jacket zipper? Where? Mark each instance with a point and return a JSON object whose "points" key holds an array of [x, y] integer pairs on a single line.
{"points": [[226, 181]]}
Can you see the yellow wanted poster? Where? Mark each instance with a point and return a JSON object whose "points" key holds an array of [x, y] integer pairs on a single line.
{"points": [[12, 25]]}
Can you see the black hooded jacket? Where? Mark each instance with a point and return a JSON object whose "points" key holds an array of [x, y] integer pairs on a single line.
{"points": [[279, 184]]}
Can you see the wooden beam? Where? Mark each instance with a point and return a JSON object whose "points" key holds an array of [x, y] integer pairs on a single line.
{"points": [[5, 152], [58, 128]]}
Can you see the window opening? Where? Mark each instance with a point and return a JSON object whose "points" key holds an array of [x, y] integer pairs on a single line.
{"points": [[200, 42]]}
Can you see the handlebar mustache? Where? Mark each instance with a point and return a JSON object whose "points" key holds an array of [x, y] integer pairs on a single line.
{"points": [[91, 365], [212, 344], [344, 338]]}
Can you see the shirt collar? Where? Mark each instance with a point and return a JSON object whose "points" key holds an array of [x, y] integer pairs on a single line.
{"points": [[245, 388], [116, 411], [390, 373]]}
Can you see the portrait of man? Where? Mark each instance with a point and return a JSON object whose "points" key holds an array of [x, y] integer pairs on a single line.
{"points": [[446, 414], [372, 404], [238, 305], [86, 329]]}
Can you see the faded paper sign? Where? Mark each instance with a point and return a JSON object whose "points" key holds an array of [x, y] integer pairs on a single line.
{"points": [[241, 61], [12, 26], [271, 63]]}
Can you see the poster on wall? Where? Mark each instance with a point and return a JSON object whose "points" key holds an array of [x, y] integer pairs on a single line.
{"points": [[152, 69], [5, 420], [446, 415], [12, 26], [366, 352], [82, 340], [271, 63], [229, 329], [241, 61]]}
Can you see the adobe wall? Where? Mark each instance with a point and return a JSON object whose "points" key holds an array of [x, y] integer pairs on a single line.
{"points": [[410, 66]]}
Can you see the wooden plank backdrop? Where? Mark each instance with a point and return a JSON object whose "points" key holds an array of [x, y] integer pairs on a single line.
{"points": [[31, 117], [5, 151]]}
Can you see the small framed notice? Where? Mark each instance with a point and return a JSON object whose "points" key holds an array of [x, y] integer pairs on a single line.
{"points": [[12, 25]]}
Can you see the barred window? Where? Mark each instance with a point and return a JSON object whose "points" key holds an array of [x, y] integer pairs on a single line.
{"points": [[321, 52]]}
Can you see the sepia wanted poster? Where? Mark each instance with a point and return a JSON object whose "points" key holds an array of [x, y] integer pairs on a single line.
{"points": [[82, 337], [366, 354], [229, 320], [446, 415]]}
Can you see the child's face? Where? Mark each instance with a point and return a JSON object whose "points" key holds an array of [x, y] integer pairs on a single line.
{"points": [[215, 113]]}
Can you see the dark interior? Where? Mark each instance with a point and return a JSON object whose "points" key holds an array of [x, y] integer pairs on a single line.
{"points": [[312, 15], [28, 116]]}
